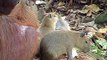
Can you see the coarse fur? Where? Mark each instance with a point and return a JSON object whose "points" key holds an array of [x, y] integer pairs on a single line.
{"points": [[18, 33], [52, 23], [58, 43], [24, 14], [48, 24]]}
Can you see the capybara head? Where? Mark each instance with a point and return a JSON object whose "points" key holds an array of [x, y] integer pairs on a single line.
{"points": [[83, 44]]}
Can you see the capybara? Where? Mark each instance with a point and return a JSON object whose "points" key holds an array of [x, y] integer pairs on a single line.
{"points": [[58, 43], [18, 31], [52, 22], [48, 24]]}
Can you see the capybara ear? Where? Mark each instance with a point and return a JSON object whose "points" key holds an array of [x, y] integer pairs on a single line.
{"points": [[6, 6]]}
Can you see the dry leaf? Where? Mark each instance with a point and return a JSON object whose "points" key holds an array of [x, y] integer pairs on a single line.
{"points": [[61, 4], [89, 9], [102, 30]]}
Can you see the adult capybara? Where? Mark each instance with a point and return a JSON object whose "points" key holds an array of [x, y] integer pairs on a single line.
{"points": [[18, 32], [58, 43]]}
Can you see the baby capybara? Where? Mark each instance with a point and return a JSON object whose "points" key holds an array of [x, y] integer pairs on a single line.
{"points": [[58, 43]]}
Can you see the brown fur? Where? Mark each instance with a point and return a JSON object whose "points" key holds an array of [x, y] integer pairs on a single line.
{"points": [[57, 43], [48, 24], [24, 15], [18, 35]]}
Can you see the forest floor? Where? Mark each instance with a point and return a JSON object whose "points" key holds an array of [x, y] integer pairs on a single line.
{"points": [[84, 16]]}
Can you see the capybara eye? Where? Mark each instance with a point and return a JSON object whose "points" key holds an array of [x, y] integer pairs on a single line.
{"points": [[86, 42]]}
